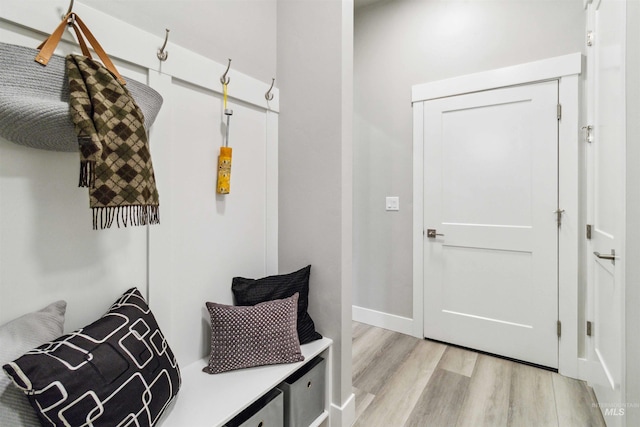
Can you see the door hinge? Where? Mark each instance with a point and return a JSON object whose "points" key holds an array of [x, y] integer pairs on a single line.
{"points": [[559, 328], [588, 133], [588, 231], [559, 213], [559, 111], [589, 328], [589, 38]]}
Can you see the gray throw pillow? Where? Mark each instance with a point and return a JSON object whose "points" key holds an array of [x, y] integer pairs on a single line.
{"points": [[16, 338], [247, 336]]}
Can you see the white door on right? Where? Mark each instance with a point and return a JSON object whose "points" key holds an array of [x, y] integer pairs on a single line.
{"points": [[606, 173], [490, 193]]}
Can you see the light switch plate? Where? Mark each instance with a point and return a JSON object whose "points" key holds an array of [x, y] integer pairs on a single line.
{"points": [[393, 204]]}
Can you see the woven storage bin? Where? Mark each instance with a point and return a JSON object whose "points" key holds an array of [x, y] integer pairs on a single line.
{"points": [[34, 100], [268, 411], [304, 394]]}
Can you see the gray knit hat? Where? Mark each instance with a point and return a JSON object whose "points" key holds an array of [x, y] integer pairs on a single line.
{"points": [[34, 100]]}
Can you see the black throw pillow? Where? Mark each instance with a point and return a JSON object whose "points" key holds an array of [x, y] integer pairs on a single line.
{"points": [[119, 370], [255, 291]]}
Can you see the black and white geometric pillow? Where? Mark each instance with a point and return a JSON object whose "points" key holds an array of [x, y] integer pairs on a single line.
{"points": [[117, 371]]}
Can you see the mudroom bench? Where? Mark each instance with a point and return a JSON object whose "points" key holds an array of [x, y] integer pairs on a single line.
{"points": [[208, 400]]}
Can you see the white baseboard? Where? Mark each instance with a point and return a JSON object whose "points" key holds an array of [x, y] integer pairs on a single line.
{"points": [[584, 369], [344, 416], [395, 323]]}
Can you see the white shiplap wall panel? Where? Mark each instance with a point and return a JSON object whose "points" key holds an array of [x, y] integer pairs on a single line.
{"points": [[47, 248]]}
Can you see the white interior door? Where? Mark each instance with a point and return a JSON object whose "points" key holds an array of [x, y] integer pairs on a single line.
{"points": [[606, 172], [490, 192]]}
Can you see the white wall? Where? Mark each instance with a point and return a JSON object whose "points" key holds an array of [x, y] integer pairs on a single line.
{"points": [[205, 239], [405, 42], [48, 250], [314, 71], [243, 30]]}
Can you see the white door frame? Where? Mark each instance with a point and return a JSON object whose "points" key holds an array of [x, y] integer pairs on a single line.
{"points": [[566, 69]]}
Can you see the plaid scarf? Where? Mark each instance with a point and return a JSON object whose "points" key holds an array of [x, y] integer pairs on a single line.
{"points": [[115, 162]]}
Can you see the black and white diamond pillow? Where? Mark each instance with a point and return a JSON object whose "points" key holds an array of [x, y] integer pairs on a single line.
{"points": [[247, 336]]}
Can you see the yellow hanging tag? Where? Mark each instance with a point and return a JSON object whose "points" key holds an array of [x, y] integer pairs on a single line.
{"points": [[224, 170], [224, 160]]}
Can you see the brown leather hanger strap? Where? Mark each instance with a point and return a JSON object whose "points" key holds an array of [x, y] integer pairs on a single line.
{"points": [[49, 45], [81, 42], [98, 49]]}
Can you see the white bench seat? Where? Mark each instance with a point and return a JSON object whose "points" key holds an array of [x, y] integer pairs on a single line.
{"points": [[206, 400]]}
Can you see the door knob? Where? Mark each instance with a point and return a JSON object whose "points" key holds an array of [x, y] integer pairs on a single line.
{"points": [[611, 256], [431, 233]]}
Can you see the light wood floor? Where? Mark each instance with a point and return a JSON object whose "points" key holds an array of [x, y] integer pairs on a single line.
{"points": [[401, 381]]}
